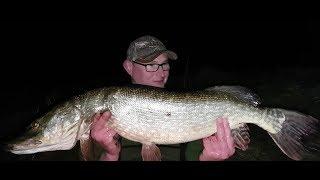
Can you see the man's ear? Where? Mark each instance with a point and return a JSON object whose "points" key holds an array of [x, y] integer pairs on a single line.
{"points": [[127, 65]]}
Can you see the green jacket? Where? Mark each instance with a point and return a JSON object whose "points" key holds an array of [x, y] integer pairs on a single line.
{"points": [[131, 151]]}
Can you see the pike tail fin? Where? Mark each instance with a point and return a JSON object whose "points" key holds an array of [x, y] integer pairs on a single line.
{"points": [[296, 131]]}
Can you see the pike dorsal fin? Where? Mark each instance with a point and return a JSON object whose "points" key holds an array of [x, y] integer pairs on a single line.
{"points": [[240, 92]]}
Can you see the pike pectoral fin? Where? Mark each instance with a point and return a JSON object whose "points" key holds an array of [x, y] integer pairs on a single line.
{"points": [[89, 150], [86, 147], [241, 137], [150, 152]]}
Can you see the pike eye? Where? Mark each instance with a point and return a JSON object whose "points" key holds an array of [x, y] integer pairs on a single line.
{"points": [[35, 125]]}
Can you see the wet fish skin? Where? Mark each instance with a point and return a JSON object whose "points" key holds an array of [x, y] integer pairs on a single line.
{"points": [[157, 116]]}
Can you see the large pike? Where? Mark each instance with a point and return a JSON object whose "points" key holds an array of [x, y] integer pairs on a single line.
{"points": [[154, 116]]}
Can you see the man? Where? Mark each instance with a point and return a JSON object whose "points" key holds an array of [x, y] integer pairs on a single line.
{"points": [[148, 64]]}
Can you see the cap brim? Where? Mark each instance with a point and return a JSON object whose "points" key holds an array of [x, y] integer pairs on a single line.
{"points": [[171, 55]]}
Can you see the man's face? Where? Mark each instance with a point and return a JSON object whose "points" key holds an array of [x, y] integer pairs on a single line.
{"points": [[158, 78]]}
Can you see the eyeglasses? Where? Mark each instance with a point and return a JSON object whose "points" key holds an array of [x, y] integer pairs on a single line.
{"points": [[154, 67]]}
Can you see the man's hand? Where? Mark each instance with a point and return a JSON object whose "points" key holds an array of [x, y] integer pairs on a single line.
{"points": [[220, 146], [105, 136]]}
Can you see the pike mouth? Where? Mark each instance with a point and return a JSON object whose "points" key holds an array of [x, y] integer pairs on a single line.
{"points": [[36, 146]]}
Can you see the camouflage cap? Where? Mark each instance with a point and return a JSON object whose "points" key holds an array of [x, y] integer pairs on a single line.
{"points": [[146, 48]]}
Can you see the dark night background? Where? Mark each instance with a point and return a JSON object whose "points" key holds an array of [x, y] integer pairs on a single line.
{"points": [[48, 62]]}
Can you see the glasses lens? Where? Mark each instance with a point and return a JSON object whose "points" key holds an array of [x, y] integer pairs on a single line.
{"points": [[166, 67], [152, 67]]}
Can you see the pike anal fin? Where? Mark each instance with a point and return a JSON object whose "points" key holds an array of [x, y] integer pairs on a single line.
{"points": [[150, 152], [241, 137]]}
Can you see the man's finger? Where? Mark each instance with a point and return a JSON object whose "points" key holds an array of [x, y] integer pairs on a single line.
{"points": [[206, 143], [102, 120], [106, 115], [111, 133], [229, 138], [211, 148], [96, 117], [210, 142], [220, 130], [222, 140], [113, 148]]}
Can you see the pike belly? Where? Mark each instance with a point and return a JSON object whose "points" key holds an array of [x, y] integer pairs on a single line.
{"points": [[174, 121]]}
